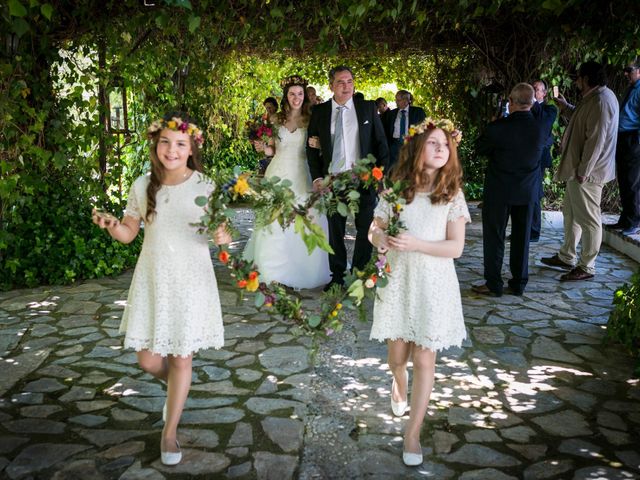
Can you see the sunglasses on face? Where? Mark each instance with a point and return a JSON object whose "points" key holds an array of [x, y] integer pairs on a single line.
{"points": [[629, 69]]}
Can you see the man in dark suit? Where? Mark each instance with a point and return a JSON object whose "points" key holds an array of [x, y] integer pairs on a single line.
{"points": [[347, 130], [546, 114], [397, 122], [513, 146]]}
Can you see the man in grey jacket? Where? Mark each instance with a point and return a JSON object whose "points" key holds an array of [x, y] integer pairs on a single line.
{"points": [[587, 163]]}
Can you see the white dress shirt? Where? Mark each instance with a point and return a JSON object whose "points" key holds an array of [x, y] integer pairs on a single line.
{"points": [[396, 125], [350, 132]]}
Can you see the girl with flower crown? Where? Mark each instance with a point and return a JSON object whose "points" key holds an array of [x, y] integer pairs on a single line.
{"points": [[173, 307], [420, 312], [281, 255]]}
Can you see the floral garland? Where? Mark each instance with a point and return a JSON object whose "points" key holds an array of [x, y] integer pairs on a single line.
{"points": [[430, 124], [273, 200], [178, 125]]}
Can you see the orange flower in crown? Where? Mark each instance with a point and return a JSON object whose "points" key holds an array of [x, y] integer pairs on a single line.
{"points": [[431, 124]]}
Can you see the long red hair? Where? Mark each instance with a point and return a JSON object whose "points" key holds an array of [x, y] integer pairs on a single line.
{"points": [[448, 178]]}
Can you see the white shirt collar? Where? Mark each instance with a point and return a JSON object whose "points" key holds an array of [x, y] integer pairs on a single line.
{"points": [[348, 104]]}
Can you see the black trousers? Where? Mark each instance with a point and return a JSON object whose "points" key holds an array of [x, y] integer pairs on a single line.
{"points": [[536, 221], [495, 216], [362, 248], [628, 173], [394, 150]]}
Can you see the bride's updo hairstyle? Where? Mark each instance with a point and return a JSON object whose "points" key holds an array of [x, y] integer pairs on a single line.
{"points": [[285, 108]]}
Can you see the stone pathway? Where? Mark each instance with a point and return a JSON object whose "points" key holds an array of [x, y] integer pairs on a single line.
{"points": [[533, 393]]}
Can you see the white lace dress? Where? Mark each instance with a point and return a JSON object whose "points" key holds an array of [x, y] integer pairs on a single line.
{"points": [[421, 302], [282, 256], [173, 306]]}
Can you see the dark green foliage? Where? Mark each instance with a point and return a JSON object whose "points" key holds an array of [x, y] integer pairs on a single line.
{"points": [[624, 321], [49, 238]]}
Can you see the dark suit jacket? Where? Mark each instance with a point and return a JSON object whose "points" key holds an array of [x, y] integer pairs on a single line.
{"points": [[546, 114], [513, 146], [416, 115], [370, 132]]}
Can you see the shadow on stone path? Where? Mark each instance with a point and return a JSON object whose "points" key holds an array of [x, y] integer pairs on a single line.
{"points": [[532, 394]]}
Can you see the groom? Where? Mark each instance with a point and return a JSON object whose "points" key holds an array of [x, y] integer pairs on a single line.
{"points": [[348, 129]]}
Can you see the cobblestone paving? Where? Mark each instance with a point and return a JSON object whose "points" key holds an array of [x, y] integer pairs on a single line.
{"points": [[533, 393]]}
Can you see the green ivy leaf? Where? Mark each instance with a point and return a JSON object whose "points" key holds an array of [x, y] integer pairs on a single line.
{"points": [[194, 23], [259, 300], [47, 10], [343, 209], [276, 13], [162, 20], [201, 201], [314, 321], [20, 26], [16, 9]]}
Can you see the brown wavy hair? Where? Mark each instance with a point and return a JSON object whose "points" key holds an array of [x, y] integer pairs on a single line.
{"points": [[448, 179], [285, 108], [157, 169]]}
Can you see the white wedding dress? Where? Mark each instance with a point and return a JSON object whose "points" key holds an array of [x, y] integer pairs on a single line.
{"points": [[282, 256]]}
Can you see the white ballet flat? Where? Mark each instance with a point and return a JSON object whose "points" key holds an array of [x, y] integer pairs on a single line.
{"points": [[399, 408], [412, 459], [171, 458]]}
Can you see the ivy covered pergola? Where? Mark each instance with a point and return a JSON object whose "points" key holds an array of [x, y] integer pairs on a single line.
{"points": [[70, 69]]}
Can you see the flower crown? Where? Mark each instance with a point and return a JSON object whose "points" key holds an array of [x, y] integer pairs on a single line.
{"points": [[431, 124], [176, 124], [293, 80]]}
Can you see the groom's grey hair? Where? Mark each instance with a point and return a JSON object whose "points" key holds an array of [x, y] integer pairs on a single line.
{"points": [[339, 68]]}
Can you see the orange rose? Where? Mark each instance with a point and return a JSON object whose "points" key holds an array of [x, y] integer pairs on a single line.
{"points": [[387, 268], [253, 275], [223, 256], [377, 173], [374, 278], [241, 283], [365, 176]]}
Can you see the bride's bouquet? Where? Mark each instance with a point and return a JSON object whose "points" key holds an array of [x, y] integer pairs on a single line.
{"points": [[260, 127]]}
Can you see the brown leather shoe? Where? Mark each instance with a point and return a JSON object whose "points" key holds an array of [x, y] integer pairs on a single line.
{"points": [[576, 274], [556, 262], [484, 290]]}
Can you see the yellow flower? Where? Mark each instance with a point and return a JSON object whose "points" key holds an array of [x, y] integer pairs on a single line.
{"points": [[252, 284], [412, 131], [398, 207], [334, 313], [171, 125], [242, 186], [338, 306]]}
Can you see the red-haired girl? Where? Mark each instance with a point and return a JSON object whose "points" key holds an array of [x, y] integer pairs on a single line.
{"points": [[420, 312]]}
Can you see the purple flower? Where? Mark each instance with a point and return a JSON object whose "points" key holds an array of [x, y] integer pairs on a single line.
{"points": [[328, 331], [382, 261]]}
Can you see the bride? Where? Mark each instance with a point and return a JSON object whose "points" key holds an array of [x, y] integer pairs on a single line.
{"points": [[282, 256]]}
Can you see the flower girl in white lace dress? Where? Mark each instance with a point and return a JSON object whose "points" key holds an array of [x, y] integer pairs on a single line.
{"points": [[420, 312], [173, 308]]}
